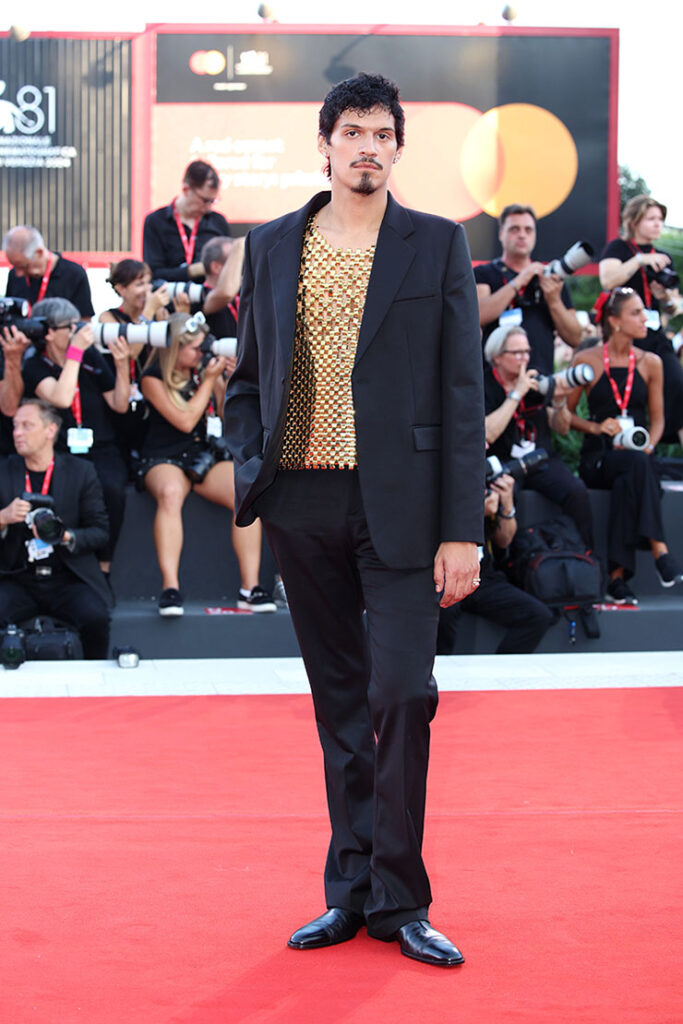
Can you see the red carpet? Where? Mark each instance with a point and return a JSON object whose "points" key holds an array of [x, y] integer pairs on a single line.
{"points": [[156, 853]]}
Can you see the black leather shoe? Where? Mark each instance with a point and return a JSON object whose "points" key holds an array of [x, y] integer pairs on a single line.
{"points": [[337, 925], [420, 941]]}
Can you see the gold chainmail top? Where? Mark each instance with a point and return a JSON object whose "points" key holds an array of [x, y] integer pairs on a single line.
{"points": [[319, 430]]}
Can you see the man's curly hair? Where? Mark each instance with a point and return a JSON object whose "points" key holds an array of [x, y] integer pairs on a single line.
{"points": [[363, 92]]}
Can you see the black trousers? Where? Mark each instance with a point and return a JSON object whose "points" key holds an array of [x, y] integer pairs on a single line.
{"points": [[635, 512], [373, 690], [112, 472], [525, 617], [64, 596]]}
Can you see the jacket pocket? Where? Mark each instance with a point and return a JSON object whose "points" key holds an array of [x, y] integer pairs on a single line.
{"points": [[427, 438]]}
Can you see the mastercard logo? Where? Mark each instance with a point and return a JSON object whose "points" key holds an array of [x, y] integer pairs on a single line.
{"points": [[460, 162], [207, 62]]}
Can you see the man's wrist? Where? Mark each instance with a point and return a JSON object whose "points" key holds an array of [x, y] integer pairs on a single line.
{"points": [[507, 515]]}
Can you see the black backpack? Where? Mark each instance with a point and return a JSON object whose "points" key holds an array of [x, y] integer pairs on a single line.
{"points": [[550, 561]]}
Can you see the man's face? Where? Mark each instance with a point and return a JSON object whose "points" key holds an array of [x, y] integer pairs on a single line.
{"points": [[199, 201], [33, 267], [518, 235], [362, 149], [31, 435]]}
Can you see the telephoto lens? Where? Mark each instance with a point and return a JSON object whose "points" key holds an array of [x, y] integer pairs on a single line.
{"points": [[633, 438], [516, 468], [155, 334], [13, 647], [573, 376], [577, 255]]}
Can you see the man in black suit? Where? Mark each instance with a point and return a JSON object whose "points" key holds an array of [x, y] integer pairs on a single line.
{"points": [[355, 416], [61, 578]]}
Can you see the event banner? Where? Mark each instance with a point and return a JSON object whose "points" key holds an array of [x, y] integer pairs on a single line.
{"points": [[65, 153], [491, 119]]}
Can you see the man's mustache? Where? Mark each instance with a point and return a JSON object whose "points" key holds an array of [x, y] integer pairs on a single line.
{"points": [[367, 160]]}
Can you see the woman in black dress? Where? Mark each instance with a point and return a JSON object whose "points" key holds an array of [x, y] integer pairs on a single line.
{"points": [[180, 396], [633, 261], [626, 390]]}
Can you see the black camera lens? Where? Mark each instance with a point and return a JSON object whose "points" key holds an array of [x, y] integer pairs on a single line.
{"points": [[12, 647], [48, 525]]}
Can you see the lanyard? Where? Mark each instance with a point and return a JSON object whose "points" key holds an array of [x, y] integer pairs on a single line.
{"points": [[647, 291], [527, 433], [234, 307], [45, 281], [46, 479], [188, 246], [622, 403]]}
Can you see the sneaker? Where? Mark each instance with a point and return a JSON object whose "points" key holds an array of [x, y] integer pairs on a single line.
{"points": [[668, 570], [279, 595], [170, 602], [259, 600], [619, 592]]}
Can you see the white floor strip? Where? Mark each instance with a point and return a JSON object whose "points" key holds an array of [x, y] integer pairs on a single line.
{"points": [[286, 675]]}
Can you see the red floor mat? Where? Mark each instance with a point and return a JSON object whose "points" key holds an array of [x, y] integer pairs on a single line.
{"points": [[156, 853]]}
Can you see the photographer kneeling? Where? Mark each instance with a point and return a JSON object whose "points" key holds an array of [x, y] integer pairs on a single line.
{"points": [[519, 420], [184, 451], [525, 617], [56, 574]]}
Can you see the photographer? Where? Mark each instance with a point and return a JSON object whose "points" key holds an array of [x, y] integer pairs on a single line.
{"points": [[626, 391], [72, 375], [519, 420], [173, 236], [37, 273], [60, 577], [525, 617], [632, 261], [514, 291], [178, 458]]}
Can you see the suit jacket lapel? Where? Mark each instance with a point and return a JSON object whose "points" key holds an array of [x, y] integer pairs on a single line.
{"points": [[284, 260], [393, 257]]}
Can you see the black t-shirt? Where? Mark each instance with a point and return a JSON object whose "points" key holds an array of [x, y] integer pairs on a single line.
{"points": [[163, 440], [94, 379], [6, 439], [162, 249], [223, 323], [529, 423], [536, 318], [68, 280], [619, 249]]}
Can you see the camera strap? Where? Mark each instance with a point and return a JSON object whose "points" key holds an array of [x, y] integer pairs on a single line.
{"points": [[527, 432], [44, 283], [647, 291], [188, 244], [46, 479], [622, 403]]}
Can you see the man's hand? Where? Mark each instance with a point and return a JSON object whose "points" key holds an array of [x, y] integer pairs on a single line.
{"points": [[534, 269], [14, 344], [15, 512], [551, 286], [83, 338], [456, 567]]}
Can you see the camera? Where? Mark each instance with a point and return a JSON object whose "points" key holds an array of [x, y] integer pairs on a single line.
{"points": [[516, 468], [577, 255], [14, 313], [667, 277], [194, 291], [154, 334], [12, 647], [633, 438], [573, 376], [43, 517], [211, 346], [216, 450]]}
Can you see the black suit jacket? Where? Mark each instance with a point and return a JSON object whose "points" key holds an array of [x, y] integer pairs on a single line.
{"points": [[417, 380], [77, 492]]}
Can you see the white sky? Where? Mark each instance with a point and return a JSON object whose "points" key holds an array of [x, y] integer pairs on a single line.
{"points": [[650, 137]]}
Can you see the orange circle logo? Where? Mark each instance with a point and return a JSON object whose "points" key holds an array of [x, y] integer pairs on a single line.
{"points": [[461, 162], [207, 62]]}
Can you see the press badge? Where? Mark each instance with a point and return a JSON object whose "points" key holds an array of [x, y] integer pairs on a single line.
{"points": [[214, 426], [38, 549], [518, 451], [653, 321], [510, 317], [79, 440]]}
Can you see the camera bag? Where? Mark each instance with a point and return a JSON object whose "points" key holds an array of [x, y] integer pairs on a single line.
{"points": [[550, 561], [47, 639]]}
